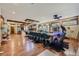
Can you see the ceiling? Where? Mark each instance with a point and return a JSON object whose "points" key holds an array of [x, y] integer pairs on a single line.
{"points": [[38, 11]]}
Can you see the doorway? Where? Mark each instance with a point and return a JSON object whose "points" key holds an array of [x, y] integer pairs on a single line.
{"points": [[12, 30]]}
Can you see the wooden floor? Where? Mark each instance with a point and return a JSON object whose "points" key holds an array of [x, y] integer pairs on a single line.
{"points": [[17, 45]]}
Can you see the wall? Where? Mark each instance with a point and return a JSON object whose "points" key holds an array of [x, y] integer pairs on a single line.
{"points": [[75, 30]]}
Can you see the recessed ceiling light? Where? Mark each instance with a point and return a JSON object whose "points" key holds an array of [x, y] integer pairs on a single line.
{"points": [[15, 4], [13, 12]]}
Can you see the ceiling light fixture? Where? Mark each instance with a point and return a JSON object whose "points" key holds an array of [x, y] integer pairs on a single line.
{"points": [[13, 12]]}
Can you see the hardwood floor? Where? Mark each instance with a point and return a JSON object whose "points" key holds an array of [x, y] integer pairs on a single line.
{"points": [[17, 45]]}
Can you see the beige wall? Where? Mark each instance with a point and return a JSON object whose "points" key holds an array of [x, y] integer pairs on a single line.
{"points": [[75, 30]]}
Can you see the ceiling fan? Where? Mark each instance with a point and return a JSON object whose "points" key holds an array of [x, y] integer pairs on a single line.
{"points": [[56, 16]]}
